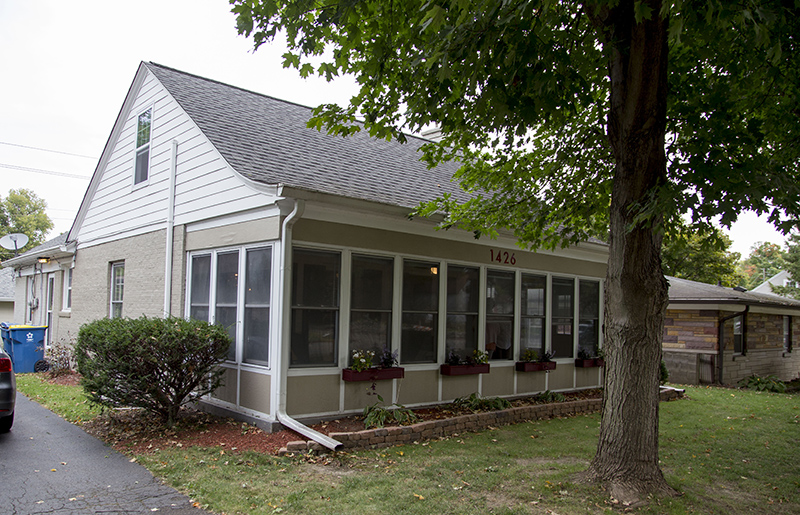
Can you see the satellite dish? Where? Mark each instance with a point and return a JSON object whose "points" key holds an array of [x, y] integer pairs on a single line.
{"points": [[13, 241]]}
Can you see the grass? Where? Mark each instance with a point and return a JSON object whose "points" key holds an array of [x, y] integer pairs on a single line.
{"points": [[67, 401], [727, 451]]}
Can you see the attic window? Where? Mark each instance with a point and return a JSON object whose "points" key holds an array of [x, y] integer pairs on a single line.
{"points": [[142, 147]]}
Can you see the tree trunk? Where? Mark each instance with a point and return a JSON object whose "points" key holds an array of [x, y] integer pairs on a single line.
{"points": [[636, 292]]}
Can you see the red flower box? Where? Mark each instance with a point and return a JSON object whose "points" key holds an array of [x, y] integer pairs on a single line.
{"points": [[535, 366], [372, 374], [589, 363], [464, 370]]}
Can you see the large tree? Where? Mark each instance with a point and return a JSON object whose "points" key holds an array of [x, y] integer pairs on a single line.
{"points": [[571, 119], [765, 260], [701, 256], [791, 263], [22, 211]]}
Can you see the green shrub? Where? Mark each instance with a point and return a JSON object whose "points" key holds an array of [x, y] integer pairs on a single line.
{"points": [[158, 364], [376, 415], [547, 397], [475, 402], [763, 384], [664, 373]]}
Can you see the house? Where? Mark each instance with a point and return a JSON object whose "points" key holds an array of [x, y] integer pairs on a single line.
{"points": [[715, 334], [782, 278], [7, 285], [218, 203], [42, 290]]}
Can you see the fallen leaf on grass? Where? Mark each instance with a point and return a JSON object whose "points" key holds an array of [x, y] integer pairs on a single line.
{"points": [[421, 498]]}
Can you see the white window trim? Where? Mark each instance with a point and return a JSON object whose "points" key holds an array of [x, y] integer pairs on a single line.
{"points": [[137, 148]]}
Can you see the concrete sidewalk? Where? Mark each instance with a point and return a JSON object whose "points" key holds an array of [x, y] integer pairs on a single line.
{"points": [[48, 465]]}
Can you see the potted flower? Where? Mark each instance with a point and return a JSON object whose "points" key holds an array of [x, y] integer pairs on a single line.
{"points": [[363, 367], [532, 361], [477, 363]]}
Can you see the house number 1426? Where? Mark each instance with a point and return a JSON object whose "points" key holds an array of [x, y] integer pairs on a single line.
{"points": [[503, 256]]}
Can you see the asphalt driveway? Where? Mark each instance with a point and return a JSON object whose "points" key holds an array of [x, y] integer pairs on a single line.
{"points": [[48, 465]]}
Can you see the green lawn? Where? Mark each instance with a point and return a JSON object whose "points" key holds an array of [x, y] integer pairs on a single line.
{"points": [[727, 451]]}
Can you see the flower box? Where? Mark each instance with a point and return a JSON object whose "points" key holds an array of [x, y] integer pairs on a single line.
{"points": [[464, 370], [372, 374], [589, 363], [535, 366]]}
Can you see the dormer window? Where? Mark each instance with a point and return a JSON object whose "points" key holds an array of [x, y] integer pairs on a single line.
{"points": [[143, 147]]}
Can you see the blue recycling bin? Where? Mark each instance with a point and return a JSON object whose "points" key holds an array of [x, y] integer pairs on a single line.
{"points": [[25, 345]]}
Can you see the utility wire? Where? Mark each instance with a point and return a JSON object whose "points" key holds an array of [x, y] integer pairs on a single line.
{"points": [[47, 172], [47, 150]]}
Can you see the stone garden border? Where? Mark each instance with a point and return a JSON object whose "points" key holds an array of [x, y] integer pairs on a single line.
{"points": [[431, 429]]}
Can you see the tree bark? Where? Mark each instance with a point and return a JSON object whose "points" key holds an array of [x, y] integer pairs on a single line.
{"points": [[636, 292]]}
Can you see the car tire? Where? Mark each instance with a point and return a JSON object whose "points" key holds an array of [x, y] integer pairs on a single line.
{"points": [[6, 423]]}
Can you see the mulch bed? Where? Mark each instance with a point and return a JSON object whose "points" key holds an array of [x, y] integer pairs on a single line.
{"points": [[136, 432]]}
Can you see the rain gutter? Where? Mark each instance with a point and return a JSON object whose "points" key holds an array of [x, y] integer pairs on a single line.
{"points": [[282, 357]]}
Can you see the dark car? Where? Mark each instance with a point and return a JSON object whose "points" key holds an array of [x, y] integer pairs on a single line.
{"points": [[8, 392]]}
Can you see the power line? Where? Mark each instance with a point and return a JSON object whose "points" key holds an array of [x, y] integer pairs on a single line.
{"points": [[47, 150], [47, 172]]}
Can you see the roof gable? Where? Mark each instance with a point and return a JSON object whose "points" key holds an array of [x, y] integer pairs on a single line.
{"points": [[266, 140]]}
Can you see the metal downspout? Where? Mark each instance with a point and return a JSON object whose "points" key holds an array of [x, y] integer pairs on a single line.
{"points": [[170, 230], [285, 339], [721, 343]]}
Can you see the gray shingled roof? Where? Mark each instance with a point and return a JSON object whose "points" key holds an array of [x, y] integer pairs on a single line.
{"points": [[687, 292], [266, 140]]}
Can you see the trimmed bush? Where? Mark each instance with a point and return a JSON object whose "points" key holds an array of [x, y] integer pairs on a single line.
{"points": [[158, 364]]}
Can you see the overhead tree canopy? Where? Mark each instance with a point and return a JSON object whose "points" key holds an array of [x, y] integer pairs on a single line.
{"points": [[574, 119], [22, 211]]}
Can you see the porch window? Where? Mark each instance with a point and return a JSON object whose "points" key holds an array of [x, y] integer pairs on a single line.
{"points": [[589, 317], [142, 161], [563, 309], [117, 289], [462, 310], [232, 288], [532, 311], [420, 318], [315, 307], [499, 314], [371, 303]]}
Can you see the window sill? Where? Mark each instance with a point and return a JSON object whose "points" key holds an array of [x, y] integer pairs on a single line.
{"points": [[64, 314]]}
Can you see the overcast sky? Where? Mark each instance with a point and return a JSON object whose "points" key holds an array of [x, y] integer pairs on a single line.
{"points": [[67, 66]]}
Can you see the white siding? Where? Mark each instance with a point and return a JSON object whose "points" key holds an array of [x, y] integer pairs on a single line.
{"points": [[205, 185]]}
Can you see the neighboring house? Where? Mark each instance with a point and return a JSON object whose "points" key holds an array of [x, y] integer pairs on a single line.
{"points": [[782, 278], [759, 334], [7, 285], [42, 290], [217, 203]]}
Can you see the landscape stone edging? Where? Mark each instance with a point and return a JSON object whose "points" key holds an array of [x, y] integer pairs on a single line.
{"points": [[398, 435]]}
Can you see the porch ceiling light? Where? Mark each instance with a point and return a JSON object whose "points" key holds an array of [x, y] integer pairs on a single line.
{"points": [[43, 260]]}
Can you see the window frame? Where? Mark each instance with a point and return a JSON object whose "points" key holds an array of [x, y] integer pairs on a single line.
{"points": [[210, 295], [143, 147], [742, 350], [435, 267], [787, 333], [335, 309], [117, 267], [66, 290], [379, 310]]}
